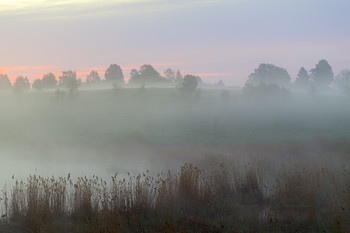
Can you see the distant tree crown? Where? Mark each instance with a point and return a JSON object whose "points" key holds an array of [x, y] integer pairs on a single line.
{"points": [[114, 73], [49, 81], [146, 75], [69, 80], [322, 74], [93, 77], [21, 84], [269, 74], [5, 83], [190, 83]]}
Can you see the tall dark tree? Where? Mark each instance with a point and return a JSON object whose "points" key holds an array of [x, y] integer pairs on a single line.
{"points": [[178, 77], [21, 84], [302, 76], [69, 80], [49, 81], [114, 73], [93, 77], [134, 73], [269, 74], [146, 75], [5, 83], [37, 84], [170, 74], [322, 74], [190, 84], [148, 72]]}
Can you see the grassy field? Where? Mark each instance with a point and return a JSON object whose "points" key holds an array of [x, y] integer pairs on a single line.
{"points": [[102, 119], [237, 165], [260, 197]]}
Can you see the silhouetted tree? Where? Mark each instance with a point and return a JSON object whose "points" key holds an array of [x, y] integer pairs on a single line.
{"points": [[170, 74], [146, 75], [189, 84], [69, 80], [343, 81], [5, 83], [37, 84], [49, 81], [302, 77], [114, 73], [133, 73], [322, 74], [178, 77], [269, 74], [93, 77], [21, 84]]}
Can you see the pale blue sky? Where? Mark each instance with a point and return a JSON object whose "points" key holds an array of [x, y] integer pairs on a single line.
{"points": [[219, 39]]}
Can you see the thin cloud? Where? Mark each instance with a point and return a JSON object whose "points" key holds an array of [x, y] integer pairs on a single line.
{"points": [[61, 9], [25, 68]]}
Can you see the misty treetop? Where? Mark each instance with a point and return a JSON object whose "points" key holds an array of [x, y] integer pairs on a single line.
{"points": [[319, 78], [114, 73], [322, 74], [269, 74], [172, 75], [145, 75], [190, 84], [37, 84], [263, 79], [5, 83], [69, 80], [21, 84], [302, 77], [93, 77], [49, 81]]}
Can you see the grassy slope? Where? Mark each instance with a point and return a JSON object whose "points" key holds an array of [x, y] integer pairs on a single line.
{"points": [[101, 119], [302, 197]]}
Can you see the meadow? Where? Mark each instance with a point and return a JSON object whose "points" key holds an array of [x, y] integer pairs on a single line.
{"points": [[154, 160]]}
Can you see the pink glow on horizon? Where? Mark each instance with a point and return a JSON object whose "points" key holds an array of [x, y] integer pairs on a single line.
{"points": [[19, 68], [37, 72]]}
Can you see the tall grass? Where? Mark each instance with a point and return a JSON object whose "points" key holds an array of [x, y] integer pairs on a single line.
{"points": [[303, 198]]}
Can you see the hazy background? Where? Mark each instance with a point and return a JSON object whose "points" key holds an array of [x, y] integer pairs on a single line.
{"points": [[219, 40]]}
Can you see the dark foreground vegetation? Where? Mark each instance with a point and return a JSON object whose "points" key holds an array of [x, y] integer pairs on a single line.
{"points": [[260, 197], [258, 159]]}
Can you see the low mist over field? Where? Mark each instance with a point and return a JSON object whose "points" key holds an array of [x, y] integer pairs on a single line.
{"points": [[133, 130], [174, 116]]}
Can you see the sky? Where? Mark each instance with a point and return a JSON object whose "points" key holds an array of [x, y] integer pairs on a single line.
{"points": [[215, 39]]}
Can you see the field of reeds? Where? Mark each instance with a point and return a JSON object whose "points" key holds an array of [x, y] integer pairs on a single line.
{"points": [[299, 198], [236, 166]]}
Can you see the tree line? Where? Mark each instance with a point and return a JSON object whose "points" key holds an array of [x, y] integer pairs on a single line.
{"points": [[265, 78], [145, 75], [272, 78]]}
